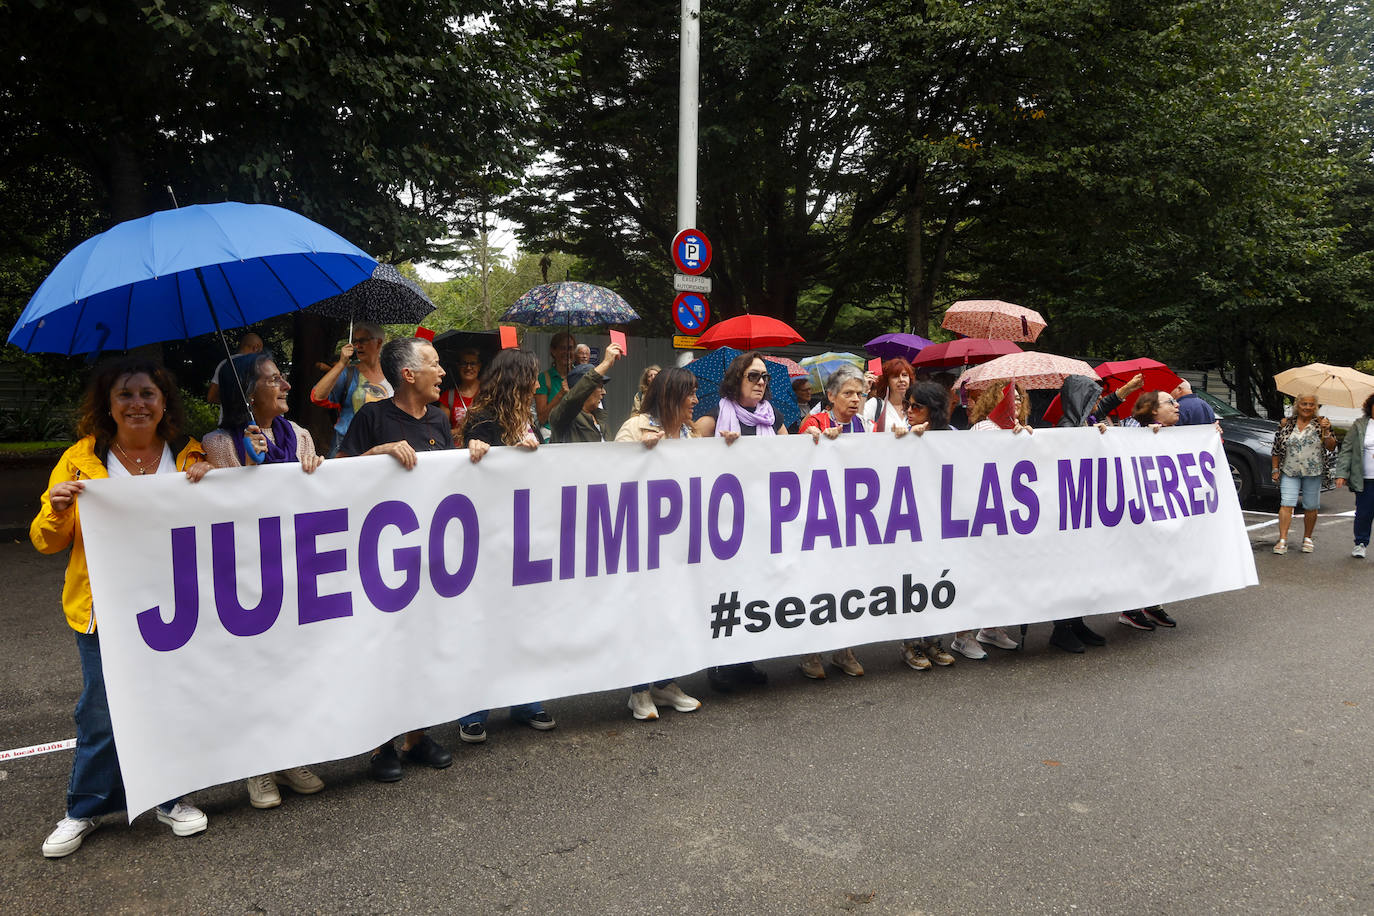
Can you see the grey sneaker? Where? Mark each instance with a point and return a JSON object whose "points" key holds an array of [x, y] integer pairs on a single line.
{"points": [[301, 780], [641, 706], [262, 791], [1359, 551]]}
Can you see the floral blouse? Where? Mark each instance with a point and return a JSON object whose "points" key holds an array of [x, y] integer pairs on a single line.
{"points": [[1300, 453]]}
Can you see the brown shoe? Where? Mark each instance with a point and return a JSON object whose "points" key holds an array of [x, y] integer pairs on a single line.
{"points": [[914, 657], [846, 662], [811, 667], [937, 654]]}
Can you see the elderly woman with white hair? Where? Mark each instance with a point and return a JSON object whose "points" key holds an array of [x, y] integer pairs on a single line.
{"points": [[844, 392]]}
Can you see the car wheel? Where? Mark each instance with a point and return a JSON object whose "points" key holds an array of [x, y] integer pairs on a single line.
{"points": [[1241, 476]]}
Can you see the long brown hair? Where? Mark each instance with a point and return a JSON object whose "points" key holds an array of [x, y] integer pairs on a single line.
{"points": [[96, 419], [507, 393], [666, 395]]}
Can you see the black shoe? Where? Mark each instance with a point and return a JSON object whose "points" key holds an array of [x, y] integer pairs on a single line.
{"points": [[749, 673], [719, 681], [429, 752], [540, 721], [1160, 617], [385, 766], [1063, 638], [475, 733], [1135, 619], [1087, 636]]}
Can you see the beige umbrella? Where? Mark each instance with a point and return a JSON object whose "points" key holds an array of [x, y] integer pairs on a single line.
{"points": [[994, 319], [1334, 386], [1032, 370]]}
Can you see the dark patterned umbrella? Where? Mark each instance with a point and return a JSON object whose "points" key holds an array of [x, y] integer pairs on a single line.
{"points": [[385, 298], [710, 369], [570, 304]]}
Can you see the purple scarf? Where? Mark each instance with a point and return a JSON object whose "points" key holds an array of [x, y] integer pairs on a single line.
{"points": [[732, 416], [281, 446]]}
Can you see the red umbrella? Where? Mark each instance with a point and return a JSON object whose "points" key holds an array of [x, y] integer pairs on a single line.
{"points": [[966, 352], [993, 318], [749, 332], [1158, 377]]}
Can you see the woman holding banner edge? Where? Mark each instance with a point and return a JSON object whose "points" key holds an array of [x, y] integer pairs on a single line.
{"points": [[666, 413], [130, 425], [275, 440]]}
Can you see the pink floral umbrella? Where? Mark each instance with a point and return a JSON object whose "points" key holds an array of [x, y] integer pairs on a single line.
{"points": [[794, 369], [993, 318], [1032, 370]]}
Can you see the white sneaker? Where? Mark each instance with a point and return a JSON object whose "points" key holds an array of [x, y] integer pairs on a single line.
{"points": [[968, 648], [996, 636], [301, 780], [184, 819], [642, 705], [1359, 551], [262, 791], [67, 836], [674, 696]]}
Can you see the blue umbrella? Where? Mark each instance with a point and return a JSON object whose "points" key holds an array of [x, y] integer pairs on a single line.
{"points": [[820, 367], [183, 273], [710, 369]]}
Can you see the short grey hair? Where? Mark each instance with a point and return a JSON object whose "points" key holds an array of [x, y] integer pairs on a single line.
{"points": [[845, 373], [398, 354]]}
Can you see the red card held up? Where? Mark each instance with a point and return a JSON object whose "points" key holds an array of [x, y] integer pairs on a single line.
{"points": [[618, 338], [1004, 414], [424, 333], [508, 339], [875, 366]]}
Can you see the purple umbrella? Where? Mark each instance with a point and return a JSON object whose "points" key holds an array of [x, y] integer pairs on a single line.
{"points": [[896, 346]]}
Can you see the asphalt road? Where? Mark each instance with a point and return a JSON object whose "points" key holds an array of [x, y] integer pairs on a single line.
{"points": [[1222, 767]]}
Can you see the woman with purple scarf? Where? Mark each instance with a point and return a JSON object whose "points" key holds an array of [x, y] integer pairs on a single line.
{"points": [[273, 440], [744, 410]]}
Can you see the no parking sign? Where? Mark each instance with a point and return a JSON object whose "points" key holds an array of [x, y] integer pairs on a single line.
{"points": [[691, 313], [691, 251]]}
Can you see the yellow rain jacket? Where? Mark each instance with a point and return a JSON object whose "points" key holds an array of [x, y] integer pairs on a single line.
{"points": [[52, 532]]}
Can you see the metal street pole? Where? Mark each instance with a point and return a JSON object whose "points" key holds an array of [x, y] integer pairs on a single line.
{"points": [[687, 115]]}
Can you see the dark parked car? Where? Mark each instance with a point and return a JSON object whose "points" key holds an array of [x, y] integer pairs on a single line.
{"points": [[1249, 443]]}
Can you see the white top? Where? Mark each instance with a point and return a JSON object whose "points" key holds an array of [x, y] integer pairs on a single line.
{"points": [[115, 468], [895, 418], [1369, 452]]}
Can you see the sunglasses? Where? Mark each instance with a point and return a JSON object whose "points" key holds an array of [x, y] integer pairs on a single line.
{"points": [[469, 365], [755, 377], [359, 341]]}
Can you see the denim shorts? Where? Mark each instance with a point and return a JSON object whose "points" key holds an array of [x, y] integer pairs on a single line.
{"points": [[1310, 488]]}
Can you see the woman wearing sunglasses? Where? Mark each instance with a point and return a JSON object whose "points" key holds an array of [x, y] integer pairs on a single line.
{"points": [[744, 410], [348, 385]]}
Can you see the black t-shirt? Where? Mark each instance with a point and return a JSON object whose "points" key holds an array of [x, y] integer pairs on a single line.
{"points": [[482, 425], [380, 422], [744, 429]]}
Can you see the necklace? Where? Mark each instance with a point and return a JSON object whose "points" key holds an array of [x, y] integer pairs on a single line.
{"points": [[138, 462]]}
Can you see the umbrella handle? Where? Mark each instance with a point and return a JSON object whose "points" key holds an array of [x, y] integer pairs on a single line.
{"points": [[251, 448]]}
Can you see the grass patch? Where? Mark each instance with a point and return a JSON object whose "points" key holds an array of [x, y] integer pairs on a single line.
{"points": [[29, 448]]}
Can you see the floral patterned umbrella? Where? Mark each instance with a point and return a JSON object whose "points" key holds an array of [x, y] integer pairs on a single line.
{"points": [[1032, 370], [993, 318], [820, 367], [570, 304], [794, 370]]}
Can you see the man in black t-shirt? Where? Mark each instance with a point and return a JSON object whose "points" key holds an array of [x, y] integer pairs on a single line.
{"points": [[402, 426]]}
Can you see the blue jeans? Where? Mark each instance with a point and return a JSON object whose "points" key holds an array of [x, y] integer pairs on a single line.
{"points": [[1364, 513], [659, 684], [1309, 487], [517, 713], [96, 786]]}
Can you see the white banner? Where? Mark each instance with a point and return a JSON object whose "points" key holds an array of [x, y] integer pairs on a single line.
{"points": [[264, 618]]}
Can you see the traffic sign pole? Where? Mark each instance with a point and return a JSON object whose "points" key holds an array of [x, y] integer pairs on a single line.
{"points": [[687, 108]]}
